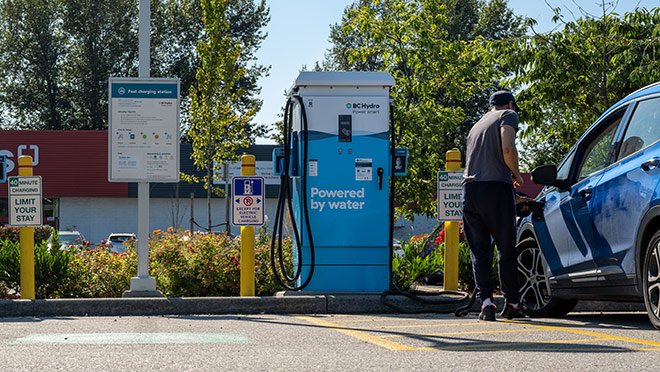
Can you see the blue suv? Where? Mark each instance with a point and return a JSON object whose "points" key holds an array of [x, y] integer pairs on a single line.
{"points": [[597, 236]]}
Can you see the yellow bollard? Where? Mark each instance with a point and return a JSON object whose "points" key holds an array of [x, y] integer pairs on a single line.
{"points": [[450, 281], [247, 238], [26, 236]]}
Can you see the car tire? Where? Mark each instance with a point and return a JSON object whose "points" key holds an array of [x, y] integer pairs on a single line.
{"points": [[651, 280], [535, 287]]}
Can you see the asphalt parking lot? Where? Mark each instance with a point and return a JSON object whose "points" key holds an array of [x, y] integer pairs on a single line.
{"points": [[327, 342], [577, 333]]}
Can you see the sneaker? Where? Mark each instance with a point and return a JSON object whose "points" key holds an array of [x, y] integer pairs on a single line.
{"points": [[487, 313], [511, 312]]}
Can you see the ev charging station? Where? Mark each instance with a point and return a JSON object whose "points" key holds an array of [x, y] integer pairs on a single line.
{"points": [[336, 164]]}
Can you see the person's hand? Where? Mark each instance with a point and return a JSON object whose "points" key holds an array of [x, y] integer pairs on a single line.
{"points": [[523, 198], [523, 209], [517, 180]]}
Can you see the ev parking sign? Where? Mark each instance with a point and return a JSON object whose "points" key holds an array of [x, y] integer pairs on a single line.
{"points": [[450, 207], [25, 207], [248, 201]]}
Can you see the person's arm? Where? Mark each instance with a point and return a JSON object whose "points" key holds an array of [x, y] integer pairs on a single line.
{"points": [[510, 153]]}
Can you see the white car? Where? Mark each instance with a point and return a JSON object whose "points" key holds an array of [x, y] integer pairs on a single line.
{"points": [[69, 239], [116, 241]]}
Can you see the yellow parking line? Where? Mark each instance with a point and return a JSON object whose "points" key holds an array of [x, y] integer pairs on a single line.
{"points": [[466, 333], [500, 345], [373, 320], [358, 334], [424, 325], [589, 333], [391, 345]]}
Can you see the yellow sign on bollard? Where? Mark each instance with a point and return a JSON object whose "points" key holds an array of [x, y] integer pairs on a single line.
{"points": [[26, 236], [450, 281], [247, 238]]}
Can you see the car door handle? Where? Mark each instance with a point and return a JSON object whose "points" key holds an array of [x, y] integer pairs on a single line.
{"points": [[650, 164], [585, 193]]}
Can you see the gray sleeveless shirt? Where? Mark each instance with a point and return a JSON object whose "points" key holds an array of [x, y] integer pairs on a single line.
{"points": [[484, 160]]}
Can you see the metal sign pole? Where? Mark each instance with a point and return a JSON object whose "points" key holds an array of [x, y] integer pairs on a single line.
{"points": [[143, 285]]}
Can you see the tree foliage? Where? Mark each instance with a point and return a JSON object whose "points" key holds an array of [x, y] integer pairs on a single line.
{"points": [[56, 55], [32, 47], [221, 107], [101, 42], [440, 53], [572, 76]]}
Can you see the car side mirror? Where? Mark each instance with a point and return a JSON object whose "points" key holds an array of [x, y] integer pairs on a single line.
{"points": [[545, 175]]}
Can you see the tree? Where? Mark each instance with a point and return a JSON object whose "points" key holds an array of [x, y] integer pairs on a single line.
{"points": [[221, 106], [440, 54], [57, 55], [175, 46], [102, 42], [31, 59], [572, 76]]}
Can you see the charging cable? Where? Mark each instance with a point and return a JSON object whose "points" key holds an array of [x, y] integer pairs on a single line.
{"points": [[282, 276]]}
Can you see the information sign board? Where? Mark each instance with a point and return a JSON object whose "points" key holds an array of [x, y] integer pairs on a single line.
{"points": [[143, 132], [450, 207]]}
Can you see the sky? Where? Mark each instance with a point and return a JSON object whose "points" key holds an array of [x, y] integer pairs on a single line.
{"points": [[299, 29]]}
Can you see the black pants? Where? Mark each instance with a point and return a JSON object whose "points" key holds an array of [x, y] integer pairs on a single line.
{"points": [[489, 209]]}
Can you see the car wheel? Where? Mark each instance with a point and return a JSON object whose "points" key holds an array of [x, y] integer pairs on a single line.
{"points": [[535, 288], [652, 280]]}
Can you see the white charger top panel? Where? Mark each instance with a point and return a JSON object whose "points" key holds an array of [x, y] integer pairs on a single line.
{"points": [[343, 79]]}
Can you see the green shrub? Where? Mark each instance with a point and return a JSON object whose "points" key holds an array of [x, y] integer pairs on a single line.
{"points": [[206, 264], [51, 271], [11, 233], [411, 269]]}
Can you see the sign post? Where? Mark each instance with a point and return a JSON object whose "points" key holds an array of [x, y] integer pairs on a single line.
{"points": [[247, 212], [25, 211], [143, 136], [450, 210]]}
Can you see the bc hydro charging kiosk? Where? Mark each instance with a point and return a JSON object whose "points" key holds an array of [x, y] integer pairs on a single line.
{"points": [[348, 168]]}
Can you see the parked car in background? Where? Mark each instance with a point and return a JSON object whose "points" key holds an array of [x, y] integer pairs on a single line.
{"points": [[116, 241], [68, 240], [598, 234]]}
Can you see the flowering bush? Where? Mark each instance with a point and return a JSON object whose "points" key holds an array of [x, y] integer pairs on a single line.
{"points": [[99, 272], [186, 264]]}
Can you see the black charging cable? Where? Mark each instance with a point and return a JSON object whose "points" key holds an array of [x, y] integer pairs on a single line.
{"points": [[285, 201]]}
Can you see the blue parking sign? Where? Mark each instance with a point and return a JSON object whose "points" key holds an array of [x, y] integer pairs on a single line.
{"points": [[247, 201]]}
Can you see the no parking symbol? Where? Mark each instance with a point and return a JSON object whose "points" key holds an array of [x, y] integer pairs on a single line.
{"points": [[247, 201]]}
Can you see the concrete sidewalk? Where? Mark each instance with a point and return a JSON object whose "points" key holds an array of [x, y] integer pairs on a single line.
{"points": [[282, 303]]}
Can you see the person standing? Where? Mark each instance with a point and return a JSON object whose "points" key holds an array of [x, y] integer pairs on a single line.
{"points": [[489, 203]]}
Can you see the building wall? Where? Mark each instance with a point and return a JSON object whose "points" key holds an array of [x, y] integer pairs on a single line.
{"points": [[96, 218]]}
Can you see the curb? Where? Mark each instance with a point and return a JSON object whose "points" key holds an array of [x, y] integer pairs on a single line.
{"points": [[278, 304]]}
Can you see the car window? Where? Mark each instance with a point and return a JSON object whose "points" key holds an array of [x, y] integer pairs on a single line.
{"points": [[68, 238], [565, 167], [643, 129], [597, 151], [121, 238]]}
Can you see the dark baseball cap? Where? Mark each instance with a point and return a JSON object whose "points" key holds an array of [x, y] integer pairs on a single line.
{"points": [[501, 98]]}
